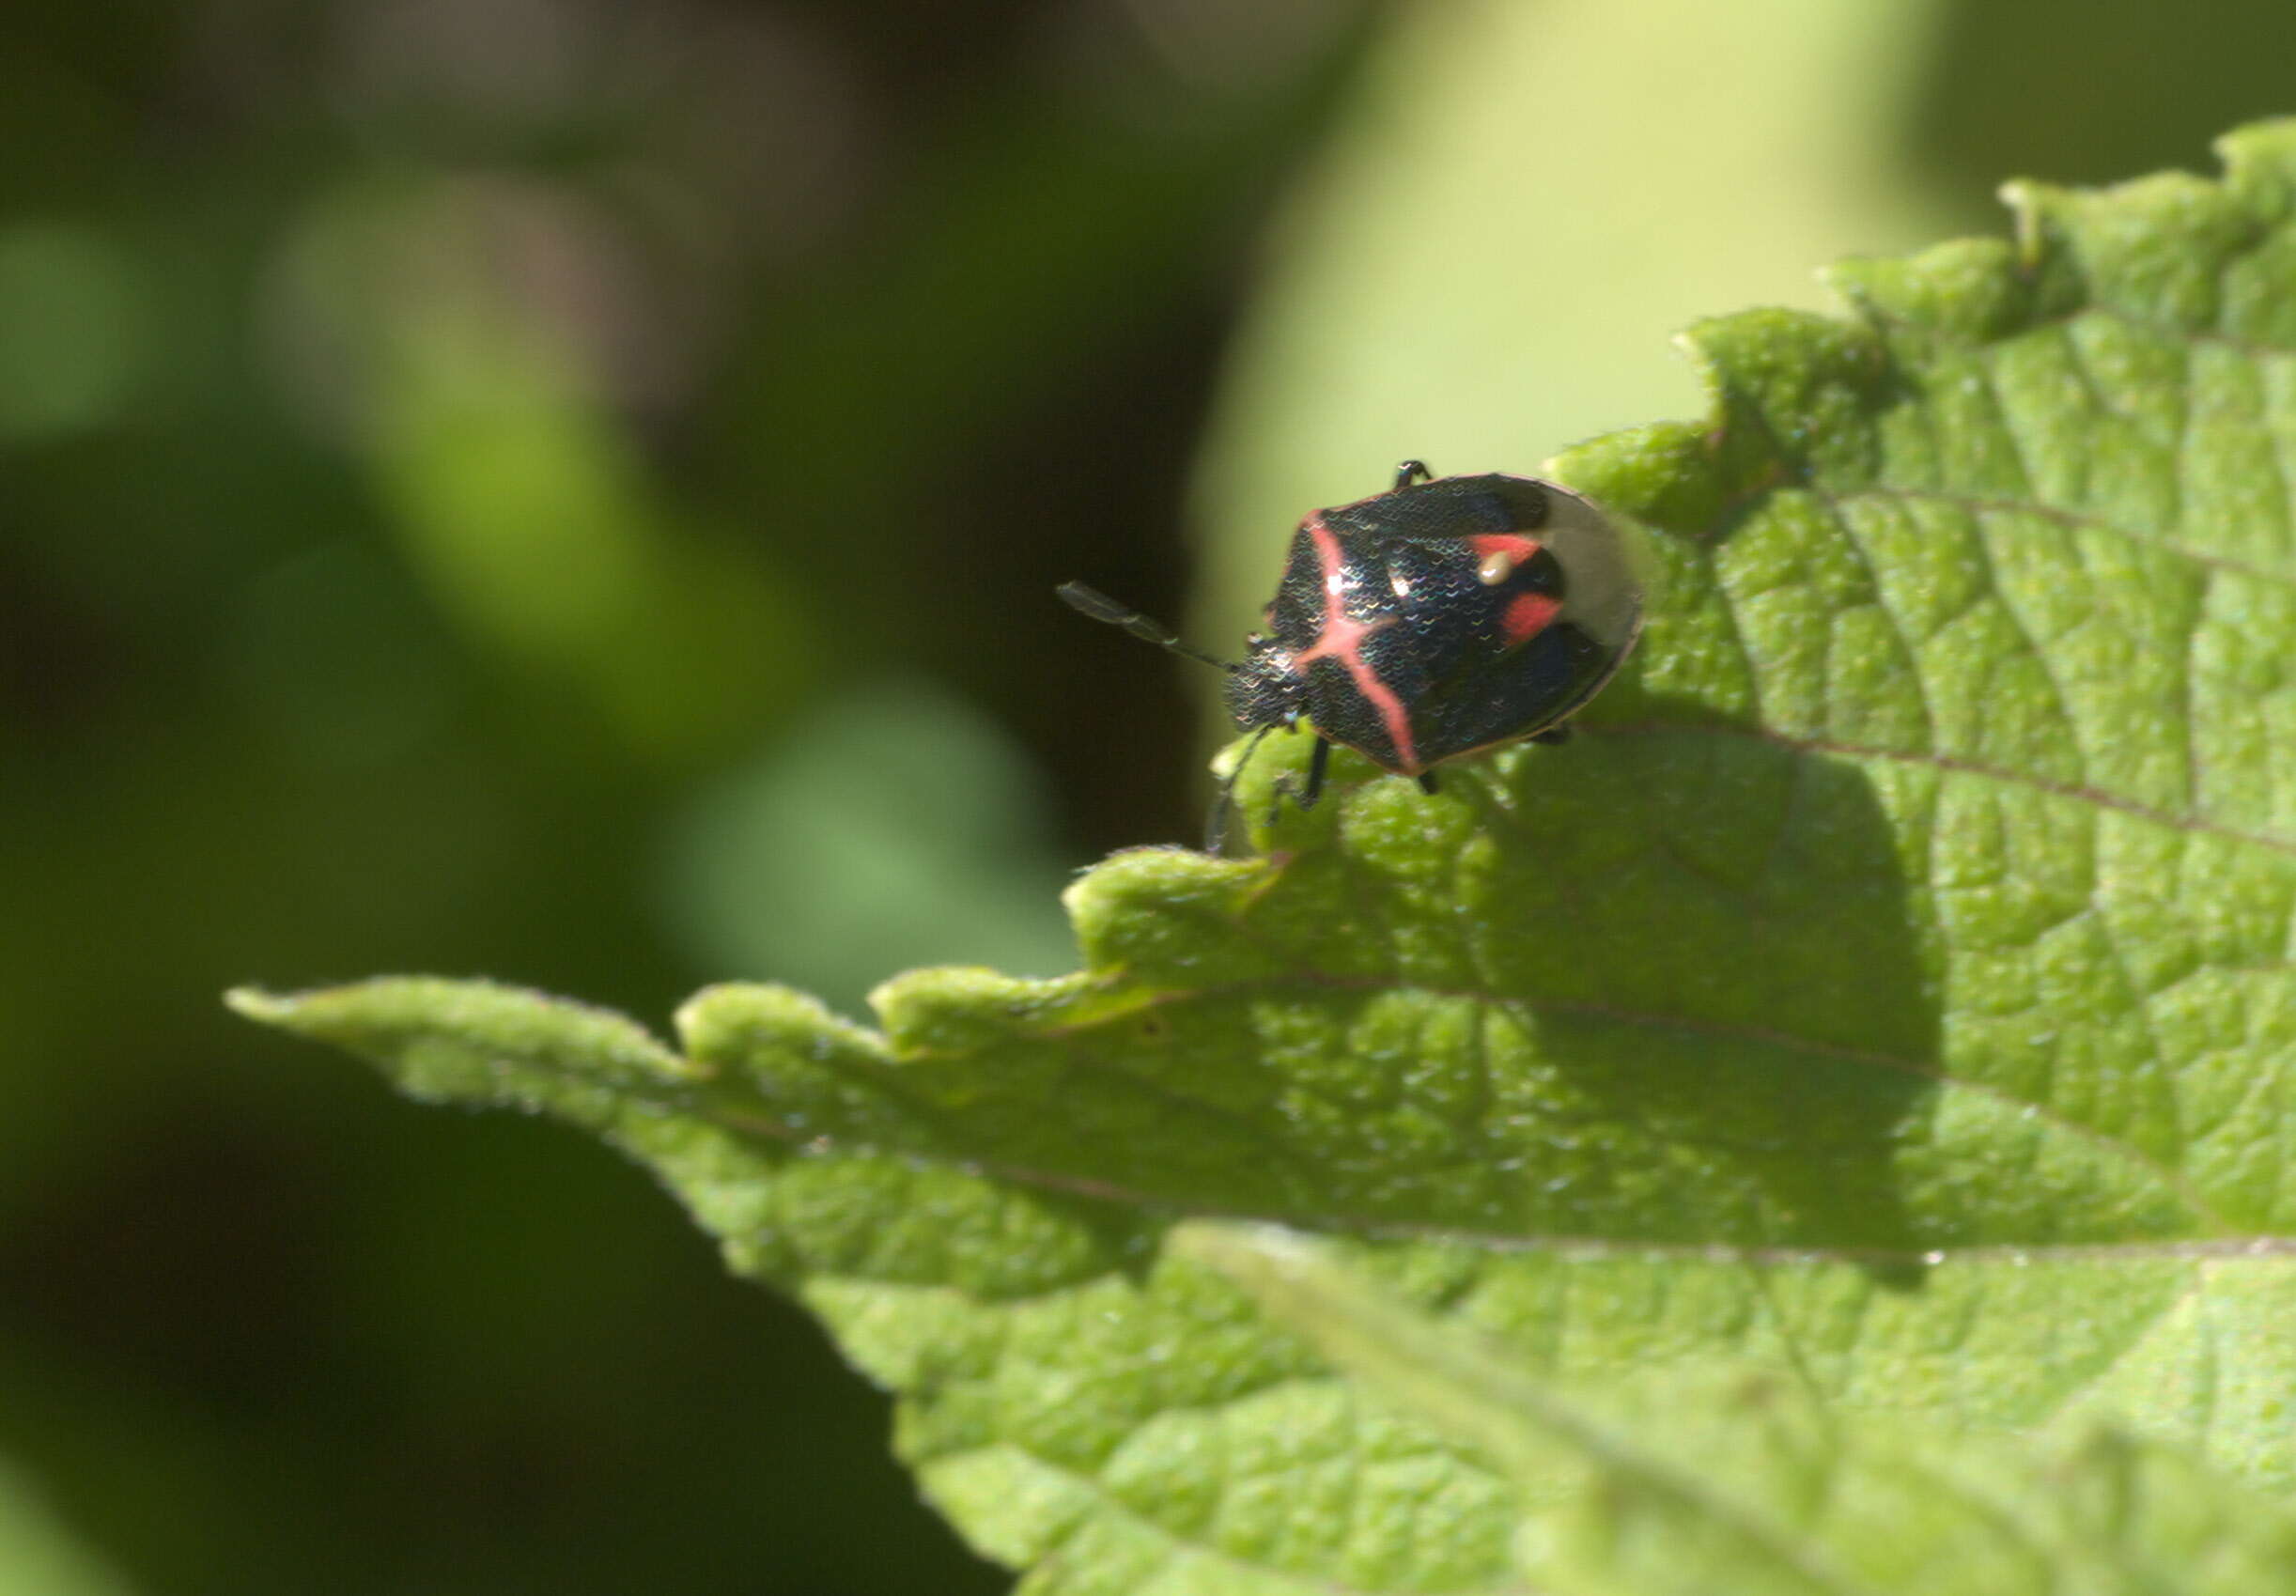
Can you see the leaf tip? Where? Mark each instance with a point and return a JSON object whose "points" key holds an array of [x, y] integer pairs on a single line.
{"points": [[1790, 391], [1968, 291], [2270, 136], [1173, 910], [255, 1004], [1665, 475], [959, 1007], [735, 1016]]}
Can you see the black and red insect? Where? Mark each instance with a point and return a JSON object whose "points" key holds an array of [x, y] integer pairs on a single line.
{"points": [[1433, 620]]}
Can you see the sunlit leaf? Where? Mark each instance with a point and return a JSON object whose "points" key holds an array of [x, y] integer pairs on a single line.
{"points": [[1888, 994], [1717, 1479]]}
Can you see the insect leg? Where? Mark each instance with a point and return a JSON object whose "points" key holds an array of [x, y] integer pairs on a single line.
{"points": [[1216, 823], [1412, 470], [1319, 763]]}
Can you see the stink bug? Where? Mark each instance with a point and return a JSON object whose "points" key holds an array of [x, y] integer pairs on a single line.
{"points": [[1430, 621]]}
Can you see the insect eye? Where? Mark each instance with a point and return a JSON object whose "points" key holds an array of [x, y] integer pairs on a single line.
{"points": [[1497, 568]]}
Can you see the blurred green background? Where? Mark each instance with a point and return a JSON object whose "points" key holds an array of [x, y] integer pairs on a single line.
{"points": [[570, 491]]}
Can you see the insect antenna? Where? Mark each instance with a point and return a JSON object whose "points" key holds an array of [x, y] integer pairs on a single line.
{"points": [[1100, 607]]}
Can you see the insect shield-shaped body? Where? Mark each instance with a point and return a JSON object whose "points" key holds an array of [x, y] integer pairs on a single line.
{"points": [[1433, 620], [1440, 619]]}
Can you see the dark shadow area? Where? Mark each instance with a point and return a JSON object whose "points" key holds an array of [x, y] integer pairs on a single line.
{"points": [[1727, 985], [435, 1351], [1678, 999], [2091, 91]]}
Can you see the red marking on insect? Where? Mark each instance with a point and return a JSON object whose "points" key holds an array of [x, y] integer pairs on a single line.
{"points": [[1527, 616], [1342, 639], [1514, 545]]}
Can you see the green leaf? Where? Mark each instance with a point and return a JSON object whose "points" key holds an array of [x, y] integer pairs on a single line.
{"points": [[39, 1553], [1888, 992], [1809, 1501]]}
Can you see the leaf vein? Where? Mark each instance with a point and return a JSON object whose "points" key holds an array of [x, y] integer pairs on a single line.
{"points": [[1954, 764]]}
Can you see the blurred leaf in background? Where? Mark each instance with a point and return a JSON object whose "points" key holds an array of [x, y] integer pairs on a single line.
{"points": [[72, 330], [894, 826], [454, 455], [526, 488], [1632, 168], [37, 1556]]}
